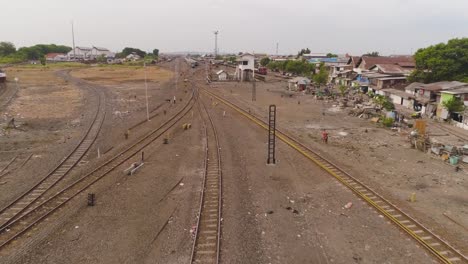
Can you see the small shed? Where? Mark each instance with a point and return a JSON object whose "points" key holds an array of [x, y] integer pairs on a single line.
{"points": [[298, 83], [2, 76], [222, 75]]}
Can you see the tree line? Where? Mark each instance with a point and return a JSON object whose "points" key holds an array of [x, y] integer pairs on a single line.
{"points": [[442, 62], [9, 53]]}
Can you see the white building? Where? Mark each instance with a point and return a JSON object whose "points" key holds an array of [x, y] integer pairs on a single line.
{"points": [[132, 57], [56, 57], [79, 53], [246, 67], [222, 75], [98, 51], [85, 53]]}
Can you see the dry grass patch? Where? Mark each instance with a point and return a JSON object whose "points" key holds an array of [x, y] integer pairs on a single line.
{"points": [[122, 74]]}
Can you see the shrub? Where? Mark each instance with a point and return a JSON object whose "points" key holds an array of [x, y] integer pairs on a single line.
{"points": [[387, 121]]}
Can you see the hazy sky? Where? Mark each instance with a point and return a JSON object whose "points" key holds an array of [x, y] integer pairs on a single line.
{"points": [[339, 26]]}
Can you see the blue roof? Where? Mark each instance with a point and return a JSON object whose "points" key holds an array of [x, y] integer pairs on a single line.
{"points": [[315, 60]]}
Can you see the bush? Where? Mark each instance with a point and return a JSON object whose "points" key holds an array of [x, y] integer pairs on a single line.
{"points": [[387, 121]]}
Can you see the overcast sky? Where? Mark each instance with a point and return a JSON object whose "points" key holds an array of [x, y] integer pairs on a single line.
{"points": [[338, 26]]}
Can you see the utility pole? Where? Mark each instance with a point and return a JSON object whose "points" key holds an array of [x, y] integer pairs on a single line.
{"points": [[277, 44], [73, 39], [146, 92], [254, 90], [216, 43]]}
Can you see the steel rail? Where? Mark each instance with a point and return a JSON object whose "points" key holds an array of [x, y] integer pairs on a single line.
{"points": [[437, 246], [20, 204], [208, 227], [42, 211]]}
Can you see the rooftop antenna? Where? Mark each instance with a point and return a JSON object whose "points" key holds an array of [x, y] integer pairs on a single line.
{"points": [[216, 43], [73, 39]]}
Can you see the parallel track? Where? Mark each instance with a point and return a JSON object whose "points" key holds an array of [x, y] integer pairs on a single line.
{"points": [[206, 246], [437, 246], [46, 208], [25, 201]]}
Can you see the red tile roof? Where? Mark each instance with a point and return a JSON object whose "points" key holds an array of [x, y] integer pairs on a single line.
{"points": [[368, 62], [53, 55]]}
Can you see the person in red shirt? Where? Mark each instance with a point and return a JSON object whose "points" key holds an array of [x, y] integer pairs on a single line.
{"points": [[325, 136]]}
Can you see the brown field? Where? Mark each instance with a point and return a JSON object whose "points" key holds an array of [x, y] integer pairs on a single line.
{"points": [[122, 74]]}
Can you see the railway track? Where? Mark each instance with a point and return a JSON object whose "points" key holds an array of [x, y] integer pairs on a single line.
{"points": [[436, 245], [207, 236], [45, 208], [22, 204], [15, 164]]}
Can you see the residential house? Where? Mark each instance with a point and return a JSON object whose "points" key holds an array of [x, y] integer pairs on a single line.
{"points": [[132, 57], [298, 84], [245, 69], [427, 96], [222, 75], [85, 53], [99, 51], [79, 53], [460, 92], [2, 76], [399, 97], [56, 57], [367, 62]]}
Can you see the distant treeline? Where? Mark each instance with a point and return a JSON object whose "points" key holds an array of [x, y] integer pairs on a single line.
{"points": [[9, 53]]}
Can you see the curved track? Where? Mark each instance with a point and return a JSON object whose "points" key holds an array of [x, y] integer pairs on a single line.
{"points": [[24, 202], [437, 246], [207, 236], [35, 216]]}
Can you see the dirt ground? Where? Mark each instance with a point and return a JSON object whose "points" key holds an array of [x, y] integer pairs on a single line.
{"points": [[120, 74], [380, 157], [50, 117], [292, 212]]}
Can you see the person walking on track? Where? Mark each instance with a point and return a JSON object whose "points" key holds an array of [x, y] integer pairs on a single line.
{"points": [[325, 136]]}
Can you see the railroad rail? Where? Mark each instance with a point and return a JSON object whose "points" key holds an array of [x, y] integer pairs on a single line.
{"points": [[436, 245], [34, 217], [24, 202], [206, 246], [9, 168]]}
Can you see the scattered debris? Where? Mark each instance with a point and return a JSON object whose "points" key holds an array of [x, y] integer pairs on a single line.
{"points": [[348, 205]]}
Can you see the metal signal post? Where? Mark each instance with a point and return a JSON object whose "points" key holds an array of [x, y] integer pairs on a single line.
{"points": [[271, 135]]}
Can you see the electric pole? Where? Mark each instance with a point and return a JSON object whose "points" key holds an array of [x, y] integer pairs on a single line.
{"points": [[277, 44], [216, 43], [73, 39]]}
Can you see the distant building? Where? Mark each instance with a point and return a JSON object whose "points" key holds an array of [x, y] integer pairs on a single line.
{"points": [[133, 57], [56, 57], [298, 84], [222, 75], [79, 53], [246, 67], [98, 51], [2, 76], [85, 53]]}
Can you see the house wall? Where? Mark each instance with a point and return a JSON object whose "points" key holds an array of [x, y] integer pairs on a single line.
{"points": [[395, 99], [408, 103]]}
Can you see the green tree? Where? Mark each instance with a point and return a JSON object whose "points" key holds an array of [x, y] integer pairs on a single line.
{"points": [[127, 51], [384, 102], [342, 89], [442, 62], [232, 59], [43, 61], [156, 52], [7, 48], [454, 105], [372, 54], [331, 55], [264, 61], [321, 77]]}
